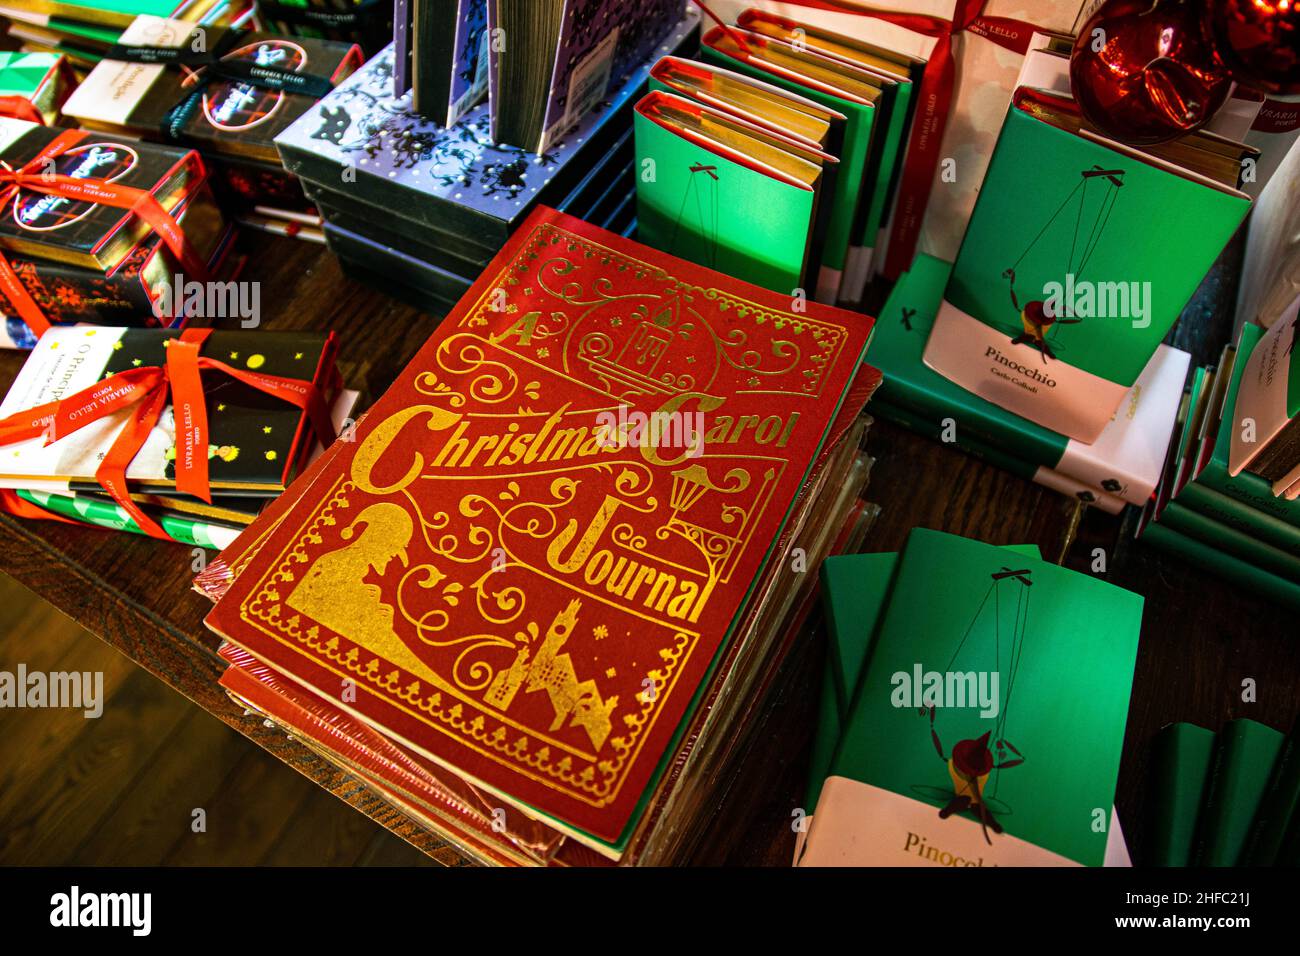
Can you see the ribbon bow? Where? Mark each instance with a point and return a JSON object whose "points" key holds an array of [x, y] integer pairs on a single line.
{"points": [[38, 176], [145, 390], [933, 103]]}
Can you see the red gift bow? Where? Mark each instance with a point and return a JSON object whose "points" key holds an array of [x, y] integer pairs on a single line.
{"points": [[35, 176], [146, 388], [934, 100]]}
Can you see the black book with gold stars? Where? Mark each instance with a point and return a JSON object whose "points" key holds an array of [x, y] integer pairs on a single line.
{"points": [[255, 441]]}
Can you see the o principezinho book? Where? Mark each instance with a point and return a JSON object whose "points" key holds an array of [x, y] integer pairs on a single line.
{"points": [[518, 573]]}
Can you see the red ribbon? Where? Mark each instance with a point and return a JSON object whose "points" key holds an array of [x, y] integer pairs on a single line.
{"points": [[145, 390], [20, 107], [933, 103], [35, 175]]}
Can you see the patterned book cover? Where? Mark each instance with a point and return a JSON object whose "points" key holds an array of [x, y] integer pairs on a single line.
{"points": [[502, 572], [80, 232], [602, 42]]}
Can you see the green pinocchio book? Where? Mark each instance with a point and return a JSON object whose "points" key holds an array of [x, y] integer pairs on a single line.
{"points": [[1063, 290], [987, 727]]}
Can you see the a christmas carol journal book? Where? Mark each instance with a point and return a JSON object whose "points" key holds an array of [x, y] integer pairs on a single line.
{"points": [[500, 573]]}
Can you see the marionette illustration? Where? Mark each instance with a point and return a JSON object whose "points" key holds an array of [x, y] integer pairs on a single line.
{"points": [[1087, 210], [975, 763], [698, 214]]}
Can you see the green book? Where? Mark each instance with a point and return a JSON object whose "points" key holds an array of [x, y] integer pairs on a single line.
{"points": [[724, 193], [855, 592], [988, 725], [106, 514], [1236, 514], [1182, 765], [1239, 572], [1279, 809], [1247, 488], [834, 87], [1230, 540], [1062, 291], [895, 74], [1243, 762], [1127, 459], [975, 447]]}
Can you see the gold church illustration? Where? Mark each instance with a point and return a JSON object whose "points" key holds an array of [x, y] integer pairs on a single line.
{"points": [[549, 670]]}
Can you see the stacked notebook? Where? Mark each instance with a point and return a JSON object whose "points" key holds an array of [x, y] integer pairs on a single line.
{"points": [[233, 123], [257, 443], [84, 30], [93, 262], [419, 209], [1239, 522], [1226, 799], [533, 623], [1062, 291], [976, 722], [1123, 466], [776, 158]]}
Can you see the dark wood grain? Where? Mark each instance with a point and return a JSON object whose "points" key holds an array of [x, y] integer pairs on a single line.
{"points": [[1201, 637]]}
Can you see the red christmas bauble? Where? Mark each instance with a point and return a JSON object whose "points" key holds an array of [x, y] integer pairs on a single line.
{"points": [[1258, 42], [1144, 72]]}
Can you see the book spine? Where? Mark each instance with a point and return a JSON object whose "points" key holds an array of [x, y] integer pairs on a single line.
{"points": [[1203, 528], [993, 429], [1237, 514], [1278, 809], [1233, 569], [972, 445], [1250, 490], [1182, 764], [1243, 764], [401, 46]]}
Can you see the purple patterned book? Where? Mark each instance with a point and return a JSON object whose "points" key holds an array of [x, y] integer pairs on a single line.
{"points": [[600, 43], [402, 13]]}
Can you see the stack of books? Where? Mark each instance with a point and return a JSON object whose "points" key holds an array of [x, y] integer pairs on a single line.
{"points": [[419, 209], [257, 443], [1222, 513], [93, 262], [956, 672], [84, 30], [538, 601], [1121, 467], [1226, 799], [776, 158], [232, 123], [366, 23]]}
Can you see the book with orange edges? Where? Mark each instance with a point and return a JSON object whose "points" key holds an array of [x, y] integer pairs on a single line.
{"points": [[544, 535]]}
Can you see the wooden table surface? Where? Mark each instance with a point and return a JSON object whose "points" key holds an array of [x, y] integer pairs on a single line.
{"points": [[1201, 637]]}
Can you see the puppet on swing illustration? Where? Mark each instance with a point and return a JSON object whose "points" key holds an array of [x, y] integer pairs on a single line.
{"points": [[994, 640], [1087, 216]]}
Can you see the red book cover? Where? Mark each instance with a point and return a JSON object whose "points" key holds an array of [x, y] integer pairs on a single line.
{"points": [[545, 530]]}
